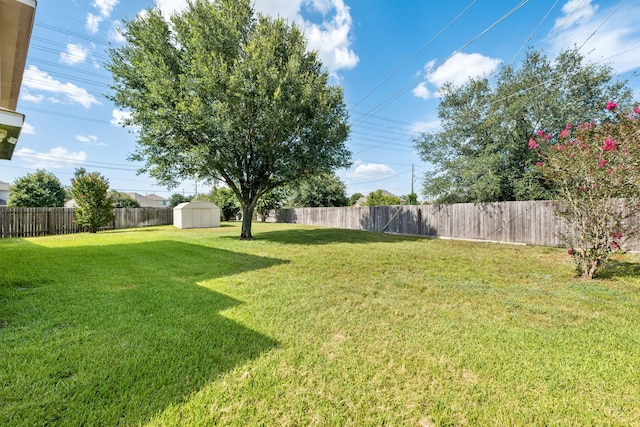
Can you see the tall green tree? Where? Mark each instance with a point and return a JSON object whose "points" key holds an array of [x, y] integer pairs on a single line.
{"points": [[90, 191], [272, 201], [122, 200], [40, 189], [478, 155], [219, 93], [227, 201], [176, 198], [325, 190], [382, 198]]}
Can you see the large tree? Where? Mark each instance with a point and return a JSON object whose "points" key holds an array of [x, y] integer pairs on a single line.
{"points": [[40, 189], [478, 155], [219, 93]]}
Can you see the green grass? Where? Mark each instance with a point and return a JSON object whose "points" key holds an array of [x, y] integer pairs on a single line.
{"points": [[311, 326]]}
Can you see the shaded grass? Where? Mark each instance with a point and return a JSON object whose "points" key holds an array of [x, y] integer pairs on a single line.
{"points": [[311, 326]]}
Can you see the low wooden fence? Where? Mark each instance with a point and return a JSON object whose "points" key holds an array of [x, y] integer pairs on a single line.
{"points": [[29, 222], [531, 222]]}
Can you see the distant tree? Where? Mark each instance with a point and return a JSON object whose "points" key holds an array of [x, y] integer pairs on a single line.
{"points": [[272, 201], [324, 190], [40, 189], [177, 198], [354, 198], [219, 93], [122, 200], [412, 199], [382, 198], [90, 191], [478, 155], [226, 200]]}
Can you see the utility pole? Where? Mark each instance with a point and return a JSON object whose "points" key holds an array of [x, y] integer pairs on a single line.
{"points": [[412, 179]]}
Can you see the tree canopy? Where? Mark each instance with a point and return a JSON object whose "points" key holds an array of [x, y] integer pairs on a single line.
{"points": [[382, 198], [122, 200], [478, 155], [40, 189], [90, 191], [219, 93], [325, 190]]}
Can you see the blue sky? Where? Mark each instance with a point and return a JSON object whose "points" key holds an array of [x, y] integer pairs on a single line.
{"points": [[390, 57]]}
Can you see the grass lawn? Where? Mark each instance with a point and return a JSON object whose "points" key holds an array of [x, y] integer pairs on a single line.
{"points": [[311, 326]]}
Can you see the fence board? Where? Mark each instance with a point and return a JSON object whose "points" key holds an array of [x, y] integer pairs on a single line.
{"points": [[528, 222], [30, 222]]}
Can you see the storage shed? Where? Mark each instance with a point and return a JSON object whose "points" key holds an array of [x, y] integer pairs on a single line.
{"points": [[196, 215]]}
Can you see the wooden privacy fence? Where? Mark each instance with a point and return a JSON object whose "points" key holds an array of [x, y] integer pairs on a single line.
{"points": [[531, 222], [29, 222]]}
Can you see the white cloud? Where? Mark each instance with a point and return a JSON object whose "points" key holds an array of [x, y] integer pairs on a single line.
{"points": [[575, 11], [613, 40], [168, 7], [331, 37], [458, 70], [422, 91], [89, 140], [36, 79], [105, 7], [115, 34], [119, 117], [27, 96], [370, 171], [27, 129], [93, 23], [75, 54], [56, 158], [461, 67]]}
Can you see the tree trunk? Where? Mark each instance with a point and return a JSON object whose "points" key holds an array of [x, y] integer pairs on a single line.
{"points": [[247, 214]]}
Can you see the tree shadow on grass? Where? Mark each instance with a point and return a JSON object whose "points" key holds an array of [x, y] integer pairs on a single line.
{"points": [[113, 335], [324, 236], [619, 269]]}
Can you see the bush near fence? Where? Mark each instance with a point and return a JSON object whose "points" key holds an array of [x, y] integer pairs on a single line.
{"points": [[529, 222], [30, 222]]}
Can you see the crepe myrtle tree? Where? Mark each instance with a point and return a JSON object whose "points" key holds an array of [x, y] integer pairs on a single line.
{"points": [[219, 93], [595, 168], [90, 190]]}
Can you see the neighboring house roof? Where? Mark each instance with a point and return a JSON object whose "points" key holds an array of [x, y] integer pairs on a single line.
{"points": [[155, 197], [4, 186], [70, 204], [145, 201]]}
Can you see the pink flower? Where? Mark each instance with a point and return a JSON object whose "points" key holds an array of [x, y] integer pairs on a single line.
{"points": [[601, 163], [547, 137], [609, 145], [636, 110], [569, 126], [570, 251], [565, 133], [611, 105], [533, 144], [538, 164], [540, 133]]}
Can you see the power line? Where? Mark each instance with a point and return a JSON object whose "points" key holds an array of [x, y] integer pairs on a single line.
{"points": [[406, 88], [416, 53]]}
